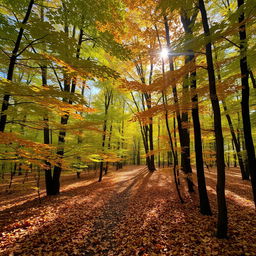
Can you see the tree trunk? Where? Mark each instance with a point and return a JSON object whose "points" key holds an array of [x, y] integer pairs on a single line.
{"points": [[103, 146], [146, 130], [47, 171], [205, 208], [234, 154], [222, 223], [57, 168], [183, 131], [109, 146], [245, 101], [13, 58], [232, 131], [235, 141], [108, 98], [64, 120], [176, 179], [158, 143], [138, 153]]}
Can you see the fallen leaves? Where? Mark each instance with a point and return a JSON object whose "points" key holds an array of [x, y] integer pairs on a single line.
{"points": [[132, 212]]}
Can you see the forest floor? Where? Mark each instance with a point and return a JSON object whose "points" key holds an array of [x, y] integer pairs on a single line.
{"points": [[131, 212]]}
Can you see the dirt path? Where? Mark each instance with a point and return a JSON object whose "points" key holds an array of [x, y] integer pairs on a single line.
{"points": [[132, 212]]}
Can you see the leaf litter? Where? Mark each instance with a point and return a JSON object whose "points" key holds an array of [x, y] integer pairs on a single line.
{"points": [[131, 212]]}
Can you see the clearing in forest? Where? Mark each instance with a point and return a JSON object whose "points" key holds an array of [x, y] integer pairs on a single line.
{"points": [[131, 212]]}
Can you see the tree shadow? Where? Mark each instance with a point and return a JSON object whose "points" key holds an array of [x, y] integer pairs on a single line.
{"points": [[234, 184], [89, 200], [101, 239], [136, 216], [33, 207]]}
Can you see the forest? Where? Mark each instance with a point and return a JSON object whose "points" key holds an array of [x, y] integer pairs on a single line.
{"points": [[127, 127]]}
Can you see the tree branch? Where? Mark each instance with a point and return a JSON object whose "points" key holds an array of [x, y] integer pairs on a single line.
{"points": [[231, 42], [30, 44], [57, 77]]}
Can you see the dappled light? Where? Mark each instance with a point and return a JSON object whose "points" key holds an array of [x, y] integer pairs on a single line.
{"points": [[127, 127], [130, 212]]}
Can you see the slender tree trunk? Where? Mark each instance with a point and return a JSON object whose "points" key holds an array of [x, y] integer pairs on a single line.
{"points": [[183, 132], [138, 153], [158, 142], [64, 120], [103, 146], [109, 146], [122, 140], [146, 103], [176, 180], [13, 58], [235, 141], [234, 154], [232, 131], [151, 145], [60, 152], [47, 171], [150, 137], [205, 208], [222, 223], [108, 98], [228, 155], [245, 101]]}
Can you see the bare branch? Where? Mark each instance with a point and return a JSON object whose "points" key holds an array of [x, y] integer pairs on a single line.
{"points": [[231, 42], [30, 44], [252, 78], [57, 77], [6, 53]]}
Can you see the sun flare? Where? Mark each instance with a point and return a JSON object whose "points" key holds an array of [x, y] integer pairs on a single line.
{"points": [[164, 53]]}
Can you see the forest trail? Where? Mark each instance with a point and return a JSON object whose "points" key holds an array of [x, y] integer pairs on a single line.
{"points": [[131, 212]]}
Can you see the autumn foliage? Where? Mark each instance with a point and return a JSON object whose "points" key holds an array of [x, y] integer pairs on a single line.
{"points": [[127, 127]]}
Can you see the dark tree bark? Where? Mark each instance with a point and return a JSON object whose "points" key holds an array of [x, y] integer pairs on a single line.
{"points": [[138, 153], [146, 130], [13, 58], [222, 223], [107, 100], [173, 151], [245, 101], [103, 145], [123, 162], [234, 155], [64, 120], [150, 139], [150, 135], [158, 143], [109, 146], [232, 131], [47, 171], [205, 208], [236, 144], [176, 180], [61, 141], [183, 131]]}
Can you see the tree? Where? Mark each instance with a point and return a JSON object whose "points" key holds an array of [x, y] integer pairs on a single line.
{"points": [[222, 223], [13, 58], [188, 23], [183, 131], [245, 98], [108, 99]]}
